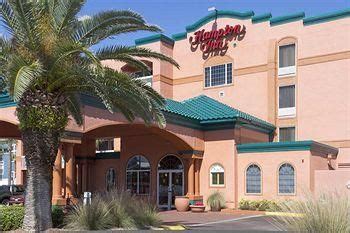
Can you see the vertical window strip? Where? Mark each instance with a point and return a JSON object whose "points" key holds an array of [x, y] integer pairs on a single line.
{"points": [[218, 75], [287, 134], [287, 55], [229, 73], [287, 96]]}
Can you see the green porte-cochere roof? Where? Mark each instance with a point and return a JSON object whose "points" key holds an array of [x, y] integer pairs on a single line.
{"points": [[206, 111]]}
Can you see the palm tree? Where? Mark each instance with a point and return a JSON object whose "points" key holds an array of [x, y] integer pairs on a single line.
{"points": [[47, 63]]}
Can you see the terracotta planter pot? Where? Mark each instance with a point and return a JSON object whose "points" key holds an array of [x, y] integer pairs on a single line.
{"points": [[197, 208], [182, 203]]}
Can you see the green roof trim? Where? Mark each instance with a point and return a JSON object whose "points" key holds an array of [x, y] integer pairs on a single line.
{"points": [[154, 38], [220, 14], [261, 18], [286, 18], [179, 36], [308, 145], [6, 101], [327, 17]]}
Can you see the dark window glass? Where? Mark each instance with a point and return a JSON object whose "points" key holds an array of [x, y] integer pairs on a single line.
{"points": [[287, 55], [170, 162], [253, 179], [287, 97], [105, 144], [138, 175], [110, 179], [287, 134], [207, 77], [229, 73], [286, 179]]}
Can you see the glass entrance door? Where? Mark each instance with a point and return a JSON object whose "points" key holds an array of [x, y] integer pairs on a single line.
{"points": [[170, 184]]}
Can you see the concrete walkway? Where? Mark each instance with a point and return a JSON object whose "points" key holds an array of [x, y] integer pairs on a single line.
{"points": [[232, 220]]}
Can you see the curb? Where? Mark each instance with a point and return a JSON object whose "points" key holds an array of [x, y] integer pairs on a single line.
{"points": [[283, 214], [174, 227]]}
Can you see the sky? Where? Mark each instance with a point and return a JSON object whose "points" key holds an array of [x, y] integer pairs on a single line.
{"points": [[174, 15]]}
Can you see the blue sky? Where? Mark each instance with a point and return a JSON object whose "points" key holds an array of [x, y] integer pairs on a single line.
{"points": [[174, 15]]}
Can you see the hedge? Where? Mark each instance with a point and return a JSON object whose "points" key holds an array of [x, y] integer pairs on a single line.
{"points": [[11, 217], [262, 205]]}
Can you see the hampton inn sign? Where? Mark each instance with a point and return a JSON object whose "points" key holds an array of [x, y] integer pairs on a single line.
{"points": [[216, 39]]}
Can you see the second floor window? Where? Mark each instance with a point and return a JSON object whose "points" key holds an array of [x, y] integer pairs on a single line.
{"points": [[218, 75], [105, 145], [286, 106], [286, 60], [287, 134]]}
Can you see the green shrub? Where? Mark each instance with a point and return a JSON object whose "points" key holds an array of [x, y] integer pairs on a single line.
{"points": [[11, 217], [216, 201], [57, 216], [262, 205], [326, 213]]}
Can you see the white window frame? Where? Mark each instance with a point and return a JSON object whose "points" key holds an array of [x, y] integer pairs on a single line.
{"points": [[219, 169], [145, 78], [288, 70], [226, 84], [291, 111], [105, 151]]}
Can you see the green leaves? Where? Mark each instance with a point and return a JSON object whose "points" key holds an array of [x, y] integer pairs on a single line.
{"points": [[49, 59], [25, 78]]}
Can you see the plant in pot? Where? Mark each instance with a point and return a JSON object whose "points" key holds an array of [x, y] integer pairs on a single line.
{"points": [[216, 201]]}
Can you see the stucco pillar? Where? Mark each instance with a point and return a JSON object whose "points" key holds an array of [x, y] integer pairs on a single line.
{"points": [[70, 171], [190, 177], [57, 177], [84, 176], [196, 177]]}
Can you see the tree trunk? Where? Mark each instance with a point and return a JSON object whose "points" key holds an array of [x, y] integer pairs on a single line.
{"points": [[40, 150]]}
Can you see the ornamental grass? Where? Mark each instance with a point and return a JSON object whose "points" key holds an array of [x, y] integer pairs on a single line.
{"points": [[112, 210], [325, 213]]}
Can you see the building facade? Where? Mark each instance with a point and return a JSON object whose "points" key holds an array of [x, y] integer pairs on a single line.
{"points": [[259, 109]]}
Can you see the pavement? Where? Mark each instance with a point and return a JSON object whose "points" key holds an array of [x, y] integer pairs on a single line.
{"points": [[236, 220]]}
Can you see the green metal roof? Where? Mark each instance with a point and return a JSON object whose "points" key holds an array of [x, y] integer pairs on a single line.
{"points": [[287, 146], [206, 110]]}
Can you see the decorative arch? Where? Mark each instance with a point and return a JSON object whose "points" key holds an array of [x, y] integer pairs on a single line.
{"points": [[287, 40], [170, 162], [217, 175], [218, 60]]}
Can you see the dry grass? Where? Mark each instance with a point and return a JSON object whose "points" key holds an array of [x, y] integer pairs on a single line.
{"points": [[326, 213]]}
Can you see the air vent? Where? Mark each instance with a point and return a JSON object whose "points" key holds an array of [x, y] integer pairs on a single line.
{"points": [[221, 94]]}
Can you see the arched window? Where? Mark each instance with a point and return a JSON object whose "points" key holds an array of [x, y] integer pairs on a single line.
{"points": [[286, 179], [217, 175], [138, 175], [110, 179], [253, 179], [170, 162]]}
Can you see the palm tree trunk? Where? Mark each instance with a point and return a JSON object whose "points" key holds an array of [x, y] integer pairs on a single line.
{"points": [[40, 149]]}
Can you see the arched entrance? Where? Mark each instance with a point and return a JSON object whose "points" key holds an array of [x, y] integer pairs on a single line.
{"points": [[170, 181]]}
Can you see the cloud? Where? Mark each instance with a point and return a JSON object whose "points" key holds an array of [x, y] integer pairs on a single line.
{"points": [[84, 17]]}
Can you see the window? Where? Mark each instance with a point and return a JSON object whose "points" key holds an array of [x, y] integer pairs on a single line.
{"points": [[138, 175], [253, 179], [217, 175], [286, 60], [1, 167], [286, 179], [218, 75], [110, 179], [287, 134], [105, 145], [286, 104], [145, 76]]}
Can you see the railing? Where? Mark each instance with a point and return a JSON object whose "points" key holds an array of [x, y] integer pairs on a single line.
{"points": [[146, 79]]}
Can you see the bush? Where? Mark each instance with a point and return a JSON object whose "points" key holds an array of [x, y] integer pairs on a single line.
{"points": [[95, 216], [114, 210], [57, 216], [11, 217], [326, 213], [216, 201], [262, 205]]}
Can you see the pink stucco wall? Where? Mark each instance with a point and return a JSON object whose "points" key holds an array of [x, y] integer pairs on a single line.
{"points": [[332, 181]]}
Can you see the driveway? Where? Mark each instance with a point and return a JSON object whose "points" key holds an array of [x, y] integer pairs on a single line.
{"points": [[233, 220]]}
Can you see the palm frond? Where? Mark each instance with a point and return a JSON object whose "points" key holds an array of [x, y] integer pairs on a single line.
{"points": [[100, 26], [114, 52], [65, 12], [25, 77], [74, 108]]}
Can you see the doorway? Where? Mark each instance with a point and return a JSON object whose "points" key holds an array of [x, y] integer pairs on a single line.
{"points": [[170, 181]]}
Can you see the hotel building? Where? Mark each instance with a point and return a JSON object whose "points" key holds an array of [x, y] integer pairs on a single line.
{"points": [[259, 109]]}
